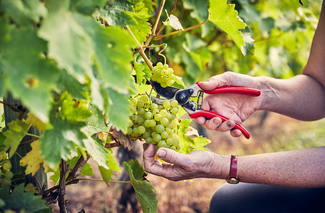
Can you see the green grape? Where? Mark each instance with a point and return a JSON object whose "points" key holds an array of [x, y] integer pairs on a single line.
{"points": [[164, 121], [140, 120], [155, 111], [141, 111], [133, 101], [147, 123], [141, 130], [169, 141], [145, 99], [170, 82], [148, 115], [169, 131], [146, 134], [9, 175], [140, 103], [174, 103], [166, 104], [163, 73], [175, 142], [164, 134], [130, 130], [154, 78], [159, 65], [149, 140], [160, 128], [152, 123], [163, 113], [133, 109], [170, 71], [162, 144], [157, 117], [157, 138], [6, 165], [163, 84], [135, 131], [174, 123], [154, 106], [173, 148], [135, 118], [174, 110], [165, 66], [6, 181]]}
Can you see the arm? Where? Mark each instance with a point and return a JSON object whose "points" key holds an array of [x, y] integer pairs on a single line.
{"points": [[299, 168], [301, 97]]}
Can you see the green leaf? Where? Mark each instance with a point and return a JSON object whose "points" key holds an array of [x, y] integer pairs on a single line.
{"points": [[24, 12], [96, 89], [96, 151], [74, 110], [85, 6], [67, 82], [30, 76], [96, 122], [142, 70], [68, 44], [226, 17], [143, 189], [62, 140], [118, 114], [112, 53], [20, 200], [186, 143], [116, 13], [113, 166], [16, 132]]}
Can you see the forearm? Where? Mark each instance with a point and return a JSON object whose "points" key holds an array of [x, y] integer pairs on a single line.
{"points": [[299, 168], [301, 97]]}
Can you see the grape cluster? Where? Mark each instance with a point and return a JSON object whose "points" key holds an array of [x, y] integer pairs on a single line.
{"points": [[156, 124], [5, 173], [163, 74]]}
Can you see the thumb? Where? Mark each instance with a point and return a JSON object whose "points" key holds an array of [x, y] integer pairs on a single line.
{"points": [[170, 156]]}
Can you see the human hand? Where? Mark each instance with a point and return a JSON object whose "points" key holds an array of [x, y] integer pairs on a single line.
{"points": [[234, 106], [177, 166]]}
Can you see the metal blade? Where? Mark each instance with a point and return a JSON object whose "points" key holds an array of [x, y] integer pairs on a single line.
{"points": [[167, 92]]}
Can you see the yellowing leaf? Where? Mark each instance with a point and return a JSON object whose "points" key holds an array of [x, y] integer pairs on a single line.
{"points": [[33, 159], [35, 121]]}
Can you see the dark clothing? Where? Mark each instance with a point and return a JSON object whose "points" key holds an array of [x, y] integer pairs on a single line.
{"points": [[259, 198]]}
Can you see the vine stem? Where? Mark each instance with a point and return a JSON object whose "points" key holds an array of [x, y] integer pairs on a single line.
{"points": [[154, 28], [180, 31], [63, 170], [36, 136]]}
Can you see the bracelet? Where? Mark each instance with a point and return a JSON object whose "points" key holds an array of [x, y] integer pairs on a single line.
{"points": [[233, 178]]}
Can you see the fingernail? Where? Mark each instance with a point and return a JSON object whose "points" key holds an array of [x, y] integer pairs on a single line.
{"points": [[216, 122], [161, 153]]}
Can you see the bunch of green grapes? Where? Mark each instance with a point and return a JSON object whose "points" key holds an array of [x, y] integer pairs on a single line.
{"points": [[5, 173], [163, 74], [156, 124]]}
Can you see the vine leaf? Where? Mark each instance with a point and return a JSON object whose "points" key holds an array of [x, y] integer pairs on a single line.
{"points": [[60, 141], [24, 12], [96, 122], [143, 189], [117, 113], [187, 140], [113, 166], [20, 200], [35, 121], [226, 17], [96, 151], [27, 74], [16, 132], [33, 159]]}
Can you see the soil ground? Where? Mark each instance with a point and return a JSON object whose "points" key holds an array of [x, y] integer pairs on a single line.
{"points": [[187, 196]]}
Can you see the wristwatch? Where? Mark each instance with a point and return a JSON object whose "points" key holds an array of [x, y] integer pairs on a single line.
{"points": [[233, 178]]}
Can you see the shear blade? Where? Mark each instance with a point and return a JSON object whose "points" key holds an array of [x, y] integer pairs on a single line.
{"points": [[167, 92]]}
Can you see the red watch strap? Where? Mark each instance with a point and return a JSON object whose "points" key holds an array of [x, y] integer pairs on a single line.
{"points": [[233, 166]]}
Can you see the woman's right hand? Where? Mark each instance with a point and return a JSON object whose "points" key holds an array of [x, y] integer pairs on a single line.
{"points": [[236, 107]]}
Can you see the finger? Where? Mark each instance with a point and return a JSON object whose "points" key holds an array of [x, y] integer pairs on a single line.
{"points": [[213, 123], [200, 120], [226, 126], [236, 133], [145, 146], [171, 156], [149, 152]]}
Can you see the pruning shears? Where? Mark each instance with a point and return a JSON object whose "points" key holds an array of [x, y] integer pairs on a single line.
{"points": [[194, 108]]}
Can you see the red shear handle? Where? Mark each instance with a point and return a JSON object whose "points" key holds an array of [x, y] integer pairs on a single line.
{"points": [[232, 89], [209, 114]]}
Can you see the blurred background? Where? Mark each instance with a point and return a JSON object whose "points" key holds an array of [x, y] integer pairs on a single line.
{"points": [[283, 31]]}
